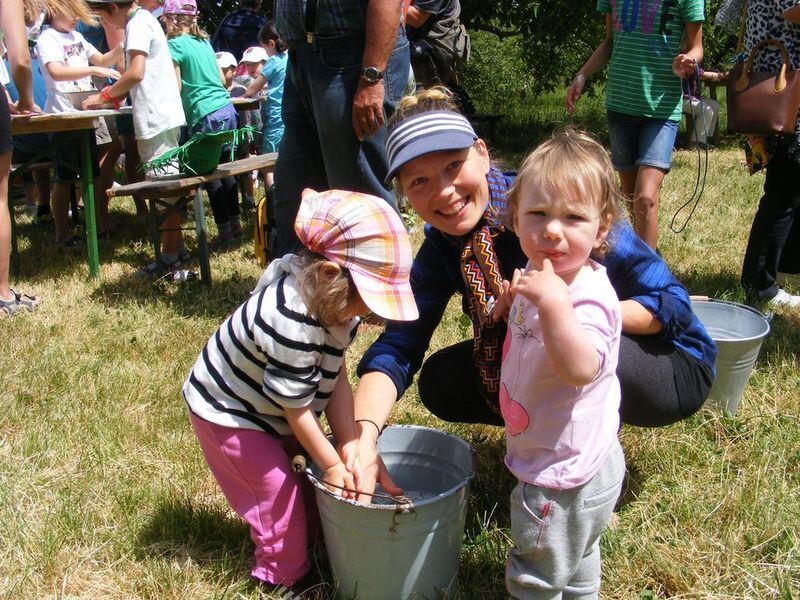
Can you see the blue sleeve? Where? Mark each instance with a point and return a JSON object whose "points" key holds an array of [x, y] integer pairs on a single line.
{"points": [[637, 273], [399, 351]]}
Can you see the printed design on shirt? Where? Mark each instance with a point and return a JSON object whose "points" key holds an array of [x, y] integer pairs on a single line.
{"points": [[75, 56], [630, 16], [514, 414]]}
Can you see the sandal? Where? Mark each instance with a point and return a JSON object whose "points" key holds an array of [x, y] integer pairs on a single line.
{"points": [[18, 303], [156, 268]]}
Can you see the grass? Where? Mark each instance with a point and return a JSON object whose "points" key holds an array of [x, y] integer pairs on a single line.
{"points": [[104, 492]]}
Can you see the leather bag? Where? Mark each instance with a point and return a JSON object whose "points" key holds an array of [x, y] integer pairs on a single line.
{"points": [[762, 102]]}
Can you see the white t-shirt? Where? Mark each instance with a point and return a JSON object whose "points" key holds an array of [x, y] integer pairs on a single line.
{"points": [[156, 100], [72, 50]]}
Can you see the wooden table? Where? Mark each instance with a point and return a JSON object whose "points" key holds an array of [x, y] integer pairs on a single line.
{"points": [[84, 122]]}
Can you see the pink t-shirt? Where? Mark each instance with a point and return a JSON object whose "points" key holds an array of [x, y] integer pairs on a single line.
{"points": [[557, 435]]}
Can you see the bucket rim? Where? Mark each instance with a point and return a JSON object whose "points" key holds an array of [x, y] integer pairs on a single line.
{"points": [[393, 507], [738, 305]]}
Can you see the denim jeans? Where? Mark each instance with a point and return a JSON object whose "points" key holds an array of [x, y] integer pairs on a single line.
{"points": [[320, 149]]}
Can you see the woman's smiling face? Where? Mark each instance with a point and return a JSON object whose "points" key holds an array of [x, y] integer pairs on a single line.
{"points": [[448, 189]]}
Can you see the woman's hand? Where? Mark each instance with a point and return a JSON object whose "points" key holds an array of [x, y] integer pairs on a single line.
{"points": [[105, 73], [338, 475], [349, 454], [373, 470], [574, 92], [684, 66]]}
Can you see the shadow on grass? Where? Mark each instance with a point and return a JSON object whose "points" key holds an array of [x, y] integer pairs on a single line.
{"points": [[181, 528]]}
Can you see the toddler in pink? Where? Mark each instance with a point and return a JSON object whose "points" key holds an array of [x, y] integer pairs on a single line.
{"points": [[559, 393]]}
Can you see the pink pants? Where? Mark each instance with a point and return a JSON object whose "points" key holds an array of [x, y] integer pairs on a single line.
{"points": [[254, 471]]}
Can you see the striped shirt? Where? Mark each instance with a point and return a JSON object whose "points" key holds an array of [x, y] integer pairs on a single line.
{"points": [[647, 36], [269, 354]]}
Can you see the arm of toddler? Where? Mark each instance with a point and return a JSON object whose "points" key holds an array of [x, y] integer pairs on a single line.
{"points": [[340, 413], [306, 428]]}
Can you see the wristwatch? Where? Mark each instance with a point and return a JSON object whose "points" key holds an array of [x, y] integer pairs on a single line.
{"points": [[371, 74]]}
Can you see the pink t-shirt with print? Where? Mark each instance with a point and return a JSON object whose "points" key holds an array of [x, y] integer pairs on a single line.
{"points": [[557, 435]]}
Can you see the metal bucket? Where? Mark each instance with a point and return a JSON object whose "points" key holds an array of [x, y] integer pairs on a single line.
{"points": [[391, 550], [738, 331]]}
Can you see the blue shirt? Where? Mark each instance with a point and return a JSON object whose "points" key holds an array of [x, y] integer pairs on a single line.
{"points": [[635, 271], [274, 70]]}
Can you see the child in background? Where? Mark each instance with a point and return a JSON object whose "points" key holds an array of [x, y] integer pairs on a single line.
{"points": [[207, 106], [253, 60], [227, 64], [157, 110], [68, 62], [559, 392], [278, 360], [272, 75]]}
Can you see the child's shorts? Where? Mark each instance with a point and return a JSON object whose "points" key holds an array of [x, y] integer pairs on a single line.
{"points": [[25, 148], [639, 141], [68, 155], [156, 146]]}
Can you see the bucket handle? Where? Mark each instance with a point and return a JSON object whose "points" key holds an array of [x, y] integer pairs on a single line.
{"points": [[403, 504]]}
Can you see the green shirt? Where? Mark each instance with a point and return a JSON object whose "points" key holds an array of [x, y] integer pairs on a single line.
{"points": [[647, 36], [201, 89]]}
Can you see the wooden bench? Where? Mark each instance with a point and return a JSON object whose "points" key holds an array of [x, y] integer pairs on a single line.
{"points": [[156, 190]]}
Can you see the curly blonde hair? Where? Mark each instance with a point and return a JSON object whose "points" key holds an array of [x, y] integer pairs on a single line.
{"points": [[572, 162], [329, 295]]}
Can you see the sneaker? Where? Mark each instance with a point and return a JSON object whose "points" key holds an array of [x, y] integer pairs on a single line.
{"points": [[784, 298]]}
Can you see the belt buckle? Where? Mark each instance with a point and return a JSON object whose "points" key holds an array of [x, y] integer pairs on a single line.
{"points": [[309, 38]]}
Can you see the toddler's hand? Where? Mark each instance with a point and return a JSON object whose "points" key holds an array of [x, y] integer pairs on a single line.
{"points": [[503, 302], [338, 475], [539, 286], [683, 66]]}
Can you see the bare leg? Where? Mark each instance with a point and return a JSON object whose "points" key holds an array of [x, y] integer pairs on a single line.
{"points": [[132, 173], [268, 177], [5, 225], [108, 154], [61, 197], [645, 204]]}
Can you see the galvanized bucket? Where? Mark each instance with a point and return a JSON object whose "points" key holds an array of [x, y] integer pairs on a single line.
{"points": [[738, 331], [393, 549]]}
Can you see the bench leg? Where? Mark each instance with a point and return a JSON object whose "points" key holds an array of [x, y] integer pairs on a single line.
{"points": [[202, 236]]}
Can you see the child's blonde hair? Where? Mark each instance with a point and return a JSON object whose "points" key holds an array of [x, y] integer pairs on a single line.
{"points": [[72, 8], [329, 298], [177, 25], [574, 163]]}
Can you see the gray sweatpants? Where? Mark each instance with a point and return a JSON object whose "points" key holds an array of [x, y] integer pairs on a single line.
{"points": [[556, 533]]}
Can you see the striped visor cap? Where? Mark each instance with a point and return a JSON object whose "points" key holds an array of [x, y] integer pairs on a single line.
{"points": [[433, 131], [366, 236]]}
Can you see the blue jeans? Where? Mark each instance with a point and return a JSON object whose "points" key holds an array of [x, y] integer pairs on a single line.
{"points": [[639, 141], [319, 147]]}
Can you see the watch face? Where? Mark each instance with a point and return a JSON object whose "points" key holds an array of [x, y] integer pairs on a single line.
{"points": [[371, 74]]}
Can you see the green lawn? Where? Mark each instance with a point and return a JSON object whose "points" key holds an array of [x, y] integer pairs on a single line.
{"points": [[104, 492]]}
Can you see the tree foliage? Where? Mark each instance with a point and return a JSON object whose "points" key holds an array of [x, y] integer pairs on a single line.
{"points": [[557, 36]]}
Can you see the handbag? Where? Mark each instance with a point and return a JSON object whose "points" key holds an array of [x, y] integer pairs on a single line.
{"points": [[761, 102]]}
